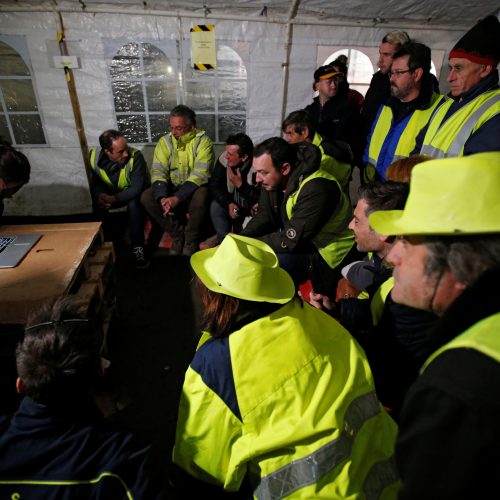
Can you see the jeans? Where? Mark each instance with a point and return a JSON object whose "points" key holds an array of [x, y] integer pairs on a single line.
{"points": [[220, 219]]}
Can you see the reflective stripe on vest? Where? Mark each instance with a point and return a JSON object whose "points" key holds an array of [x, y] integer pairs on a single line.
{"points": [[334, 240], [309, 470], [448, 138], [407, 139], [124, 177], [179, 178], [91, 482], [379, 297], [482, 336]]}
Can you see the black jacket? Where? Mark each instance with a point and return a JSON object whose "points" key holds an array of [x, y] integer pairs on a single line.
{"points": [[450, 424], [245, 197], [396, 346], [315, 205]]}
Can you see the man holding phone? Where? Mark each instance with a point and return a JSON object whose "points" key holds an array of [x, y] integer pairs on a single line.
{"points": [[232, 187]]}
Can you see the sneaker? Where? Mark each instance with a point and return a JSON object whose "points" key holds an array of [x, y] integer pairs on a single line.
{"points": [[189, 249], [140, 258], [209, 243]]}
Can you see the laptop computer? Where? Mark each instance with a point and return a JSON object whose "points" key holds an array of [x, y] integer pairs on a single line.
{"points": [[13, 248]]}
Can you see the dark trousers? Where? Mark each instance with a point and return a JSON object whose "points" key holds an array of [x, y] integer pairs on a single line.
{"points": [[136, 216], [186, 220]]}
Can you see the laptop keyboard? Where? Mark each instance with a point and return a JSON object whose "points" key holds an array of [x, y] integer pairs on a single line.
{"points": [[5, 241]]}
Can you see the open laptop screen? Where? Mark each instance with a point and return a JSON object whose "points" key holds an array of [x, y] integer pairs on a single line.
{"points": [[13, 248]]}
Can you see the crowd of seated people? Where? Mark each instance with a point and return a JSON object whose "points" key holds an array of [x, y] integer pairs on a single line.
{"points": [[292, 395]]}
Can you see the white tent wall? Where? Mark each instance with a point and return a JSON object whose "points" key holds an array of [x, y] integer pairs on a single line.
{"points": [[58, 184]]}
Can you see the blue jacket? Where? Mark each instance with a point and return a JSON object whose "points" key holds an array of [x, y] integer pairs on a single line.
{"points": [[45, 455]]}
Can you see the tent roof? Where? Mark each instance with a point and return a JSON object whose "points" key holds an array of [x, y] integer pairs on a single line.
{"points": [[391, 13]]}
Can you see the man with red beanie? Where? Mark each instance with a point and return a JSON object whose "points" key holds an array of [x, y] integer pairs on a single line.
{"points": [[470, 121]]}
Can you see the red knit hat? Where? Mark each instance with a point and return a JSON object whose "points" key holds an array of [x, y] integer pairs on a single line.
{"points": [[481, 44]]}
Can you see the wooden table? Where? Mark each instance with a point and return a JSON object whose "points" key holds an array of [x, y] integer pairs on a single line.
{"points": [[68, 258]]}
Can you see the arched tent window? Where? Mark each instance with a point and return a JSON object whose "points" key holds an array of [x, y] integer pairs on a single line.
{"points": [[360, 68], [219, 96], [144, 90], [20, 120]]}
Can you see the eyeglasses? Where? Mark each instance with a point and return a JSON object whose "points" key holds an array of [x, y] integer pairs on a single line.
{"points": [[398, 72]]}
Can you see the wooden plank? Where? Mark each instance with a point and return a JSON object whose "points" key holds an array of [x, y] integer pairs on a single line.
{"points": [[49, 270]]}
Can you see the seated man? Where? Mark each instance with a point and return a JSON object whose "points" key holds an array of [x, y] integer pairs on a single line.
{"points": [[394, 337], [232, 186], [178, 198], [278, 393], [15, 172], [57, 444], [303, 213], [336, 156], [119, 176]]}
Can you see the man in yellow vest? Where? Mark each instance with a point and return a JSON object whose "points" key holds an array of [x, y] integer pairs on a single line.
{"points": [[178, 199], [394, 336], [119, 176], [470, 121], [405, 114], [336, 155], [447, 260], [303, 213]]}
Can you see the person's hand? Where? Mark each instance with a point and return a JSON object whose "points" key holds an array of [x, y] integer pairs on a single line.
{"points": [[320, 301], [168, 204], [234, 177], [107, 200], [345, 290], [234, 211]]}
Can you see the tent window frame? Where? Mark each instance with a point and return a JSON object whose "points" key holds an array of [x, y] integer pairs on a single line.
{"points": [[180, 58], [17, 43]]}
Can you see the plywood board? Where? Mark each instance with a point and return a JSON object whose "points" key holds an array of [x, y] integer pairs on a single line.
{"points": [[48, 270]]}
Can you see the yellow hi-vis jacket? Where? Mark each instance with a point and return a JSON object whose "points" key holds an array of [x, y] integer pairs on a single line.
{"points": [[392, 141], [189, 158], [124, 177], [448, 138], [289, 401], [482, 336], [335, 239], [341, 171]]}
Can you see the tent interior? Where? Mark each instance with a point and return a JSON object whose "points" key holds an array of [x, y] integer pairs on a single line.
{"points": [[131, 62], [70, 69]]}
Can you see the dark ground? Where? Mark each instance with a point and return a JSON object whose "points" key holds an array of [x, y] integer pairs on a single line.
{"points": [[150, 343]]}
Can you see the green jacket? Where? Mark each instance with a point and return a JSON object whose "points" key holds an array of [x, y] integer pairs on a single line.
{"points": [[183, 164]]}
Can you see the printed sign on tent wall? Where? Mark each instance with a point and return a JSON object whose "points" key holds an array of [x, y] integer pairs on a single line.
{"points": [[204, 53]]}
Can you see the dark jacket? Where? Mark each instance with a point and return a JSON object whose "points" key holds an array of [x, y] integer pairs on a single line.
{"points": [[139, 179], [339, 119], [396, 346], [487, 137], [38, 446], [377, 94], [316, 203], [450, 424], [245, 197]]}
